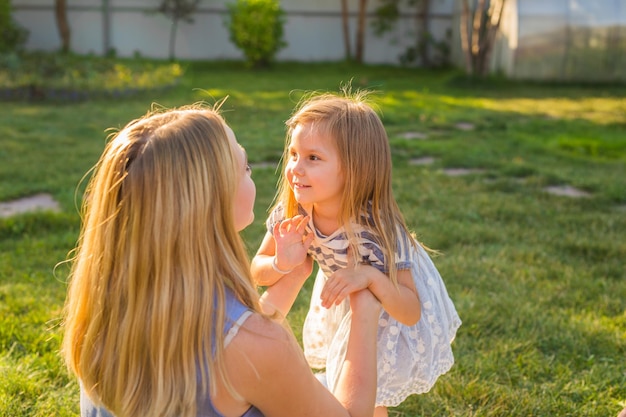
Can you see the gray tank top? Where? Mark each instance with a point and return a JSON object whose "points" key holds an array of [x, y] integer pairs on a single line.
{"points": [[236, 313]]}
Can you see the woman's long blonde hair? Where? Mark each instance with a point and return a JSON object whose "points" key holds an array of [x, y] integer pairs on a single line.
{"points": [[365, 157], [158, 249]]}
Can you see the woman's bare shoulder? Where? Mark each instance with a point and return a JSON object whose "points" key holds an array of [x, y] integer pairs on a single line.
{"points": [[258, 333], [265, 362]]}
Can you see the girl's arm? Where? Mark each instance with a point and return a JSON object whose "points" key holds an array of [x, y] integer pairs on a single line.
{"points": [[283, 252], [261, 265], [402, 302], [267, 368]]}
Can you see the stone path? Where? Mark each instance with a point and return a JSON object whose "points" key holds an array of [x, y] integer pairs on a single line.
{"points": [[37, 202], [45, 202], [567, 191], [459, 172], [425, 160], [560, 190], [414, 135]]}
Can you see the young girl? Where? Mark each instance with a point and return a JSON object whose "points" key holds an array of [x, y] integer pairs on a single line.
{"points": [[162, 317], [335, 204]]}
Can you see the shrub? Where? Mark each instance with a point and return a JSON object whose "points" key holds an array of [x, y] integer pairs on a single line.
{"points": [[12, 36], [256, 28]]}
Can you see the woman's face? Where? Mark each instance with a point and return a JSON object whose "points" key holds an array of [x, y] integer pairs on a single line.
{"points": [[246, 190]]}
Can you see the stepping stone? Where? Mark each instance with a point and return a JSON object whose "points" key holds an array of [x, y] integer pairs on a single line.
{"points": [[426, 160], [414, 135], [458, 172], [567, 191], [37, 202], [464, 126]]}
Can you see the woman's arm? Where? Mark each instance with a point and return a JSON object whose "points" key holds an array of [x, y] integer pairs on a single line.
{"points": [[268, 369], [279, 298]]}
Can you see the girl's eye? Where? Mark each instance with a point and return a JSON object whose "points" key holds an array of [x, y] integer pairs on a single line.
{"points": [[248, 168], [313, 158]]}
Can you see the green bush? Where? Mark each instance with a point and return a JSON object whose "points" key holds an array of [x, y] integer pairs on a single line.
{"points": [[12, 36], [256, 28]]}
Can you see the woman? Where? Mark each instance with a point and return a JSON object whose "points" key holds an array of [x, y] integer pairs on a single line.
{"points": [[162, 317]]}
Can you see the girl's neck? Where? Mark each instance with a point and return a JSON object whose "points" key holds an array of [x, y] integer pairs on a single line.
{"points": [[325, 223]]}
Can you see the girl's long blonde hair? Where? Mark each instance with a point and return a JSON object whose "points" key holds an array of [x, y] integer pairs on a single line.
{"points": [[365, 157], [158, 249]]}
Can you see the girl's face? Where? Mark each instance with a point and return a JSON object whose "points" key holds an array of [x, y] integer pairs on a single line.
{"points": [[314, 170], [246, 190]]}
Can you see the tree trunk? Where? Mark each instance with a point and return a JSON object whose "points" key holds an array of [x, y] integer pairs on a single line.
{"points": [[477, 26], [489, 41], [346, 29], [173, 30], [62, 24], [360, 35], [106, 27], [424, 36], [478, 43], [465, 37]]}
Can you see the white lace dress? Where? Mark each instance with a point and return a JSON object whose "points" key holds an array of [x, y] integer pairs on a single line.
{"points": [[410, 358]]}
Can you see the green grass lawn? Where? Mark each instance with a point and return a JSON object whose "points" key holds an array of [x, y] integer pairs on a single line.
{"points": [[538, 279]]}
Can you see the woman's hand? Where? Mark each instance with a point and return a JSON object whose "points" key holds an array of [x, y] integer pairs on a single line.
{"points": [[365, 302]]}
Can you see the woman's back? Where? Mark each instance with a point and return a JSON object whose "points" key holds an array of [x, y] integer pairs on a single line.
{"points": [[236, 315]]}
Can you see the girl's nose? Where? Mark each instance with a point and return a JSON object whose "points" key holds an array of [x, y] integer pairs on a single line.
{"points": [[295, 167]]}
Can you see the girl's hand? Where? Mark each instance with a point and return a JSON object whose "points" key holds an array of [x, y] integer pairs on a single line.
{"points": [[292, 242], [344, 282]]}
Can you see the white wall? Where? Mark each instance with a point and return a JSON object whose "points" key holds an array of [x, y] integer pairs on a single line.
{"points": [[313, 29]]}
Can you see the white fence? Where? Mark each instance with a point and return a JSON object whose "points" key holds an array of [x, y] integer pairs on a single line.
{"points": [[538, 39], [313, 29]]}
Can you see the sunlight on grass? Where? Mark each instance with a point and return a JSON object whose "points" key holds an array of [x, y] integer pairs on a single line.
{"points": [[443, 109], [593, 109], [538, 279], [594, 323]]}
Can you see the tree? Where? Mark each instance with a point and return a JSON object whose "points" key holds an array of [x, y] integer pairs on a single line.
{"points": [[478, 41], [177, 10], [424, 36], [360, 30], [256, 28], [12, 35], [60, 12], [346, 28]]}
